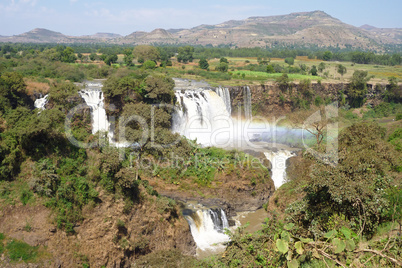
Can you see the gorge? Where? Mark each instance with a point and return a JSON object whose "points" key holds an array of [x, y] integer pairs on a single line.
{"points": [[206, 114]]}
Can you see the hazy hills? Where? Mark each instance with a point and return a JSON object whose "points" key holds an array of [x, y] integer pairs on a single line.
{"points": [[314, 27]]}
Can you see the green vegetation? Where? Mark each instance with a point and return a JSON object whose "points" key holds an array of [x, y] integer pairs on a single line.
{"points": [[21, 251], [17, 250], [340, 216], [253, 75], [344, 215], [203, 63]]}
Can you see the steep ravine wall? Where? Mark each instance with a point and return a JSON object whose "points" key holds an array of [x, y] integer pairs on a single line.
{"points": [[270, 100], [99, 240]]}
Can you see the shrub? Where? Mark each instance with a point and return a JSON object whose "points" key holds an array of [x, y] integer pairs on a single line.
{"points": [[355, 186], [25, 196]]}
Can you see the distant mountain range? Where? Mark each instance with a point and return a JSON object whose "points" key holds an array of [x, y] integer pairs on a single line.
{"points": [[302, 28]]}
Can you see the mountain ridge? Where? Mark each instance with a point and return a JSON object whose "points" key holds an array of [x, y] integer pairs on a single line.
{"points": [[298, 28]]}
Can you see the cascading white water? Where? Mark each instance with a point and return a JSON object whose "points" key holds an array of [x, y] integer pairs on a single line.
{"points": [[201, 115], [225, 95], [247, 103], [41, 102], [278, 161], [207, 227], [93, 97]]}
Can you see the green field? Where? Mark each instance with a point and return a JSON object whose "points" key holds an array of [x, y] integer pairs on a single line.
{"points": [[253, 75]]}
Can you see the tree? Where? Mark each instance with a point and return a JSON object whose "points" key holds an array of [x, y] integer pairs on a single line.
{"points": [[145, 52], [341, 69], [321, 67], [290, 60], [270, 69], [159, 89], [149, 64], [61, 95], [128, 60], [357, 89], [225, 60], [355, 188], [110, 59], [121, 90], [185, 54], [313, 70], [68, 55], [304, 68], [393, 92], [203, 64], [327, 56], [222, 67], [93, 57], [283, 82], [13, 91]]}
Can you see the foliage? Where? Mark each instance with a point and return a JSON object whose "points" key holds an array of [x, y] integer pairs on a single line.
{"points": [[396, 139], [341, 69], [283, 82], [358, 88], [327, 55], [145, 53], [149, 65], [203, 64], [290, 60], [355, 187], [68, 55], [159, 89], [222, 67], [13, 91], [116, 88], [185, 54], [313, 70], [224, 60], [109, 59], [61, 95], [202, 165], [394, 197], [93, 57], [321, 67], [128, 59], [393, 92]]}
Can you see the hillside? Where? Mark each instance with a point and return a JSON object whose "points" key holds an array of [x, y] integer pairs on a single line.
{"points": [[315, 27], [302, 28]]}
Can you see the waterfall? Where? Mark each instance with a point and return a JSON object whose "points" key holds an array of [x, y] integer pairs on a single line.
{"points": [[247, 103], [204, 114], [201, 114], [278, 161], [41, 102], [207, 228], [225, 95], [93, 97]]}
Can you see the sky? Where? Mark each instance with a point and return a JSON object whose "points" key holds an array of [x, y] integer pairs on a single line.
{"points": [[79, 17]]}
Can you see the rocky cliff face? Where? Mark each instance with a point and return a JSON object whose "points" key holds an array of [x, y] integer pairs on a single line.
{"points": [[270, 101]]}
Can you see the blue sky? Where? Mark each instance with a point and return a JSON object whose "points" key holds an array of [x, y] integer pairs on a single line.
{"points": [[79, 17]]}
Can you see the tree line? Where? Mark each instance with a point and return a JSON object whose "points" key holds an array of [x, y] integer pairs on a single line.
{"points": [[390, 57]]}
